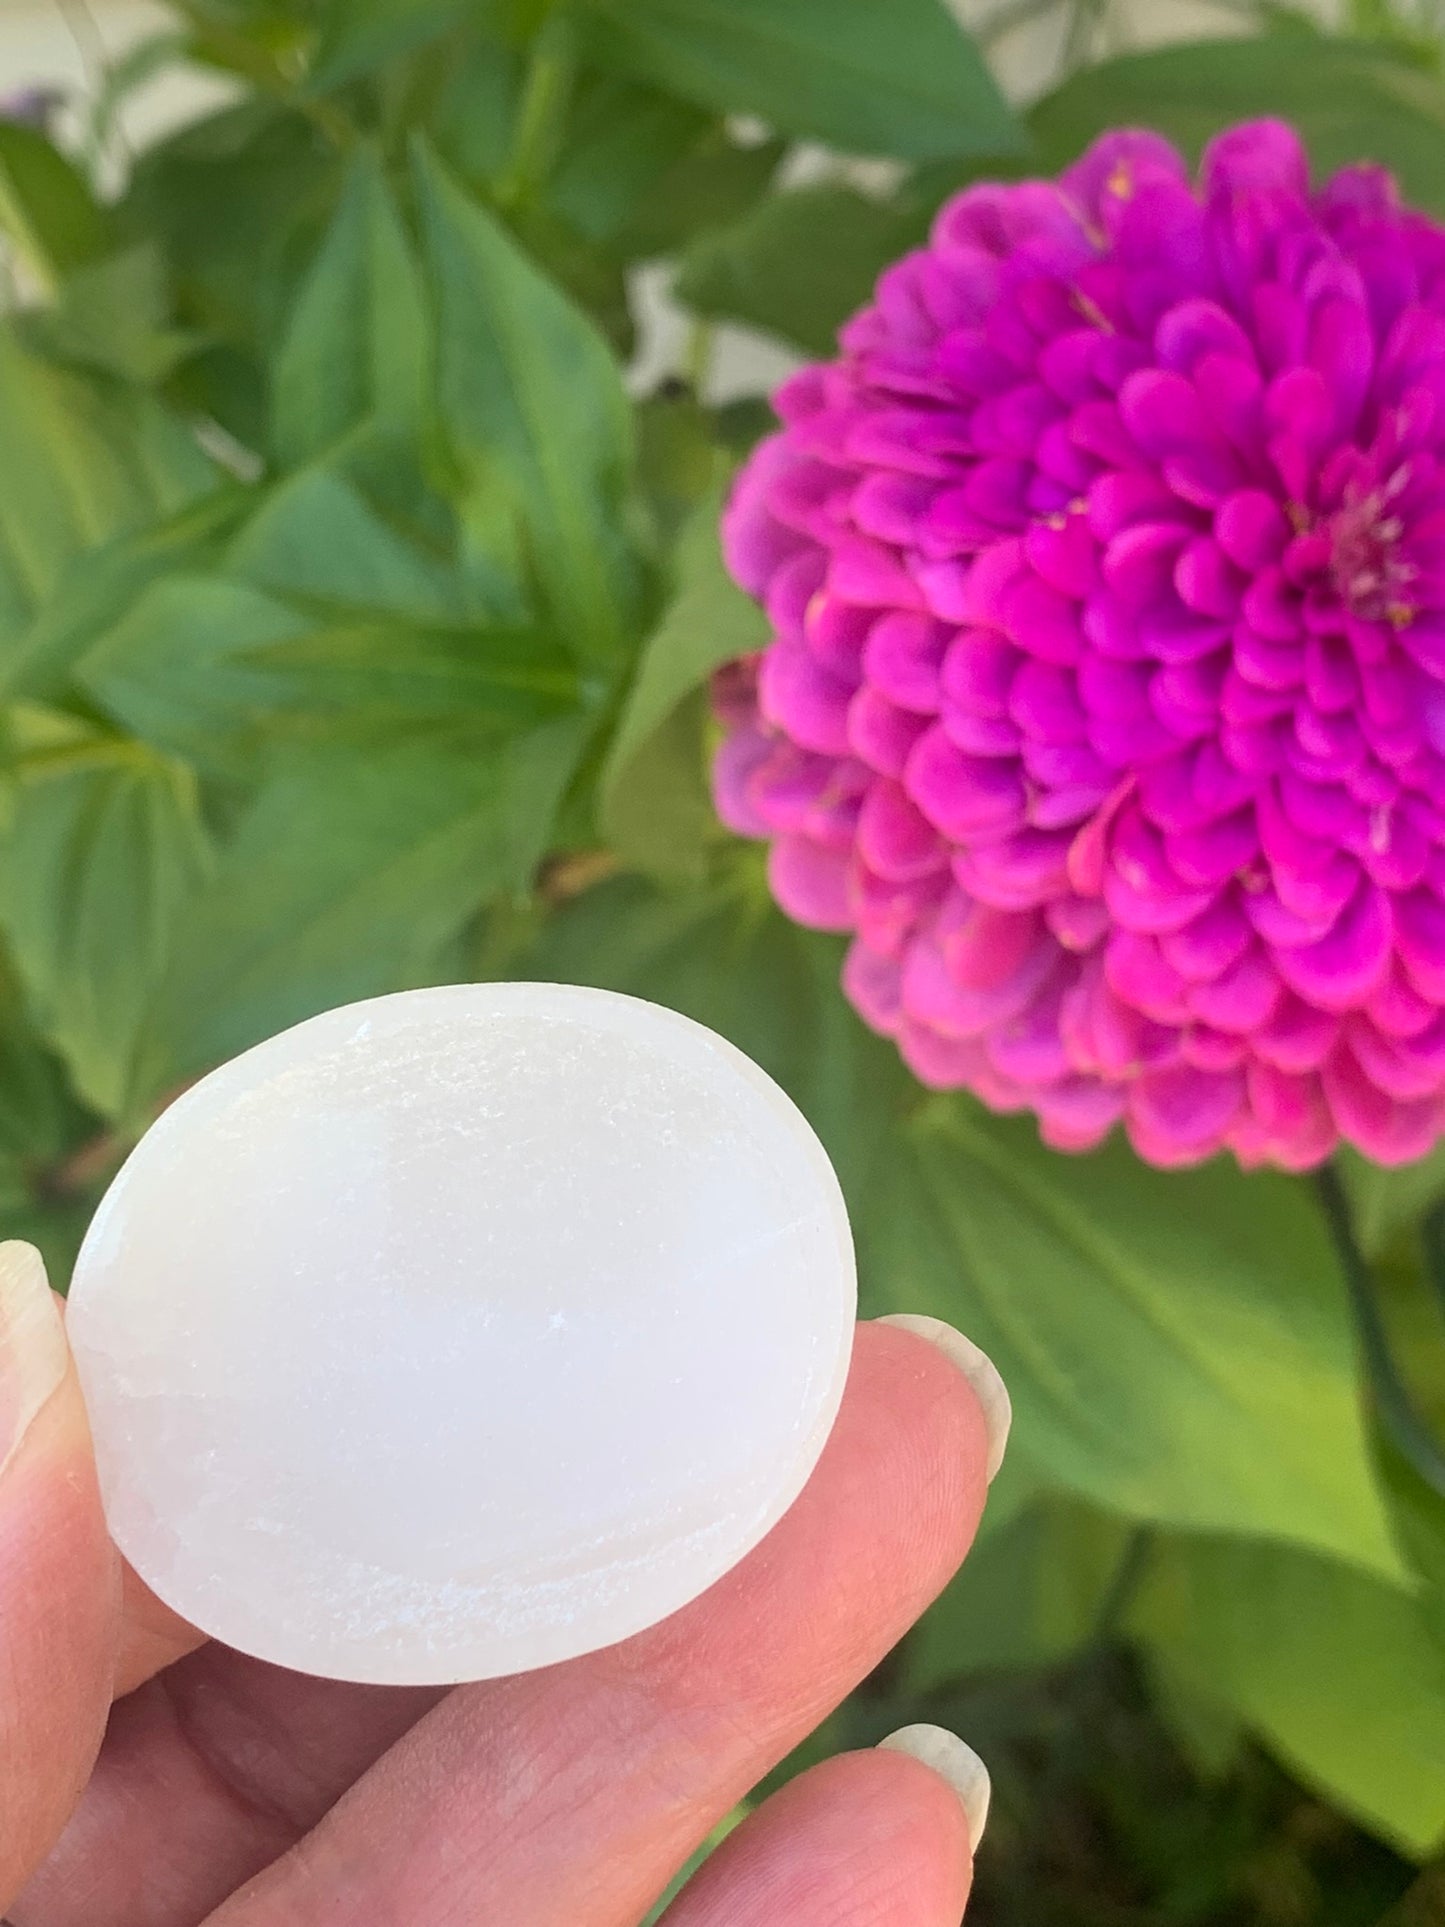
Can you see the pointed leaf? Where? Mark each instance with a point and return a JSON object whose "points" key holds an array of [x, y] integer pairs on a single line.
{"points": [[213, 669], [536, 412], [900, 79], [81, 461], [356, 347], [102, 852], [317, 537], [92, 598], [114, 315], [1178, 1345], [1030, 1596], [1337, 1672], [712, 187], [357, 38], [235, 200], [178, 669], [344, 879], [623, 143]]}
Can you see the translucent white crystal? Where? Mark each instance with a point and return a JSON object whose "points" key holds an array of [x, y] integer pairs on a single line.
{"points": [[462, 1331]]}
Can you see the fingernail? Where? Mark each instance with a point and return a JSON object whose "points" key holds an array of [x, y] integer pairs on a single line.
{"points": [[977, 1367], [32, 1343], [955, 1763]]}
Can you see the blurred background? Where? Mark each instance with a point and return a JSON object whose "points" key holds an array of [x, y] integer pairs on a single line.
{"points": [[288, 720]]}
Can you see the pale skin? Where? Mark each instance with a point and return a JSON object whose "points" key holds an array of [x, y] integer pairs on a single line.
{"points": [[148, 1779]]}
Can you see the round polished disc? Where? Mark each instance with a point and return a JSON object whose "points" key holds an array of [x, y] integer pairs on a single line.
{"points": [[462, 1331]]}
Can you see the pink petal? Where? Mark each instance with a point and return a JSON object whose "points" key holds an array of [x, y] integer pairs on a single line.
{"points": [[811, 883]]}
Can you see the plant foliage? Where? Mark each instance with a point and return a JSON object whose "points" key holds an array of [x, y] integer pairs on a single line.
{"points": [[356, 609]]}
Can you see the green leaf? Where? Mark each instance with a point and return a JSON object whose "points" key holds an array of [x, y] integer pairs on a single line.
{"points": [[113, 315], [229, 387], [46, 209], [234, 201], [1207, 1732], [622, 142], [1387, 1201], [902, 79], [344, 879], [178, 669], [368, 531], [263, 42], [680, 453], [653, 802], [1350, 100], [366, 34], [91, 599], [714, 185], [472, 122], [1337, 1672], [591, 276], [1419, 1512], [1030, 1596], [48, 1188], [40, 1118], [212, 669], [365, 681], [800, 264], [1178, 1345], [356, 350], [537, 416], [655, 810], [317, 537], [102, 853], [81, 461]]}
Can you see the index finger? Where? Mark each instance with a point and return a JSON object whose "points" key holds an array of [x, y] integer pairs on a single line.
{"points": [[76, 1625], [59, 1576], [575, 1793]]}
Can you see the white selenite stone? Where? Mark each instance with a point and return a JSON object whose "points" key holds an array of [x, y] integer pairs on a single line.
{"points": [[462, 1331]]}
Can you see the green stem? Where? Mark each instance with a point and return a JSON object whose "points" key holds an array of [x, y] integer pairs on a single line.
{"points": [[1393, 1402], [542, 115]]}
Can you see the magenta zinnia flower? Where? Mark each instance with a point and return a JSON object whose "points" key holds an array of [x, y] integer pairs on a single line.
{"points": [[1106, 700]]}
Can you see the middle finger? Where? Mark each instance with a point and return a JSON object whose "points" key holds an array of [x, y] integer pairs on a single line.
{"points": [[573, 1794]]}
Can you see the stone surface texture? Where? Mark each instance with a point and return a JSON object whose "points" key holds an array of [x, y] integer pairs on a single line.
{"points": [[462, 1331]]}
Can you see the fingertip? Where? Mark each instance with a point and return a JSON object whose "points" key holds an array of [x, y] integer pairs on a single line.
{"points": [[976, 1367], [59, 1575], [955, 1763], [34, 1357], [873, 1838], [931, 1399]]}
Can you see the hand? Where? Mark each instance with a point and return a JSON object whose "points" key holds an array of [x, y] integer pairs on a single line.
{"points": [[223, 1790]]}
